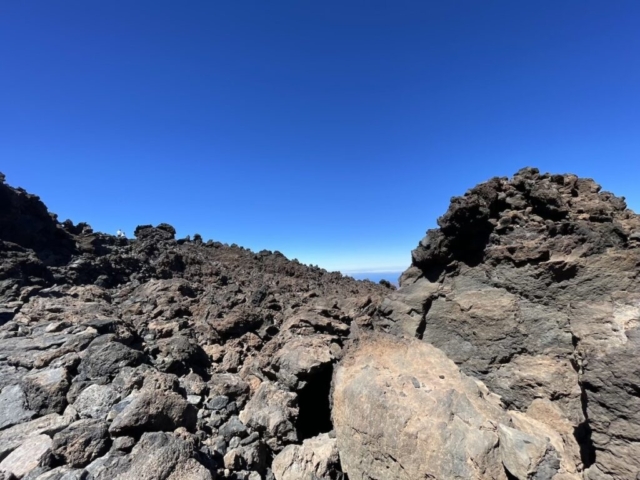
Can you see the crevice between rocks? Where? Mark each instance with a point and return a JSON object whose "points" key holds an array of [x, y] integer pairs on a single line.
{"points": [[314, 403], [422, 326], [509, 475], [582, 432]]}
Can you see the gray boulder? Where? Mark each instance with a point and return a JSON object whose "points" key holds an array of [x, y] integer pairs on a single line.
{"points": [[27, 456], [13, 408], [151, 410], [95, 401], [105, 358]]}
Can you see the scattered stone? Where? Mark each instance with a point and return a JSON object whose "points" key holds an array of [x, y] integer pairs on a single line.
{"points": [[46, 390], [13, 407], [211, 360], [81, 442], [272, 411], [317, 457], [124, 444], [27, 456], [252, 457], [217, 403]]}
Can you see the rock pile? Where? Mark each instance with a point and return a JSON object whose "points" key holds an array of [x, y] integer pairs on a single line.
{"points": [[158, 358], [509, 351]]}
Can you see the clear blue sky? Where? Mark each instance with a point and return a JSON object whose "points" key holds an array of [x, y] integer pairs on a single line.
{"points": [[333, 131]]}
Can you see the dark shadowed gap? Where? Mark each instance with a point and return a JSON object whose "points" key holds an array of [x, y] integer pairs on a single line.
{"points": [[314, 403], [422, 326], [509, 475], [582, 433]]}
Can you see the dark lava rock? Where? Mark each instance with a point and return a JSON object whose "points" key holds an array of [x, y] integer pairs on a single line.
{"points": [[81, 442], [46, 390], [106, 358]]}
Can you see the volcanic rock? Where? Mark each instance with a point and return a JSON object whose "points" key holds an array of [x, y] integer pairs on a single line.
{"points": [[317, 457], [531, 285], [418, 416], [81, 442], [165, 358]]}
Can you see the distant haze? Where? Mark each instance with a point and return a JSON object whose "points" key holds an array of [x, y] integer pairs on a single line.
{"points": [[377, 276]]}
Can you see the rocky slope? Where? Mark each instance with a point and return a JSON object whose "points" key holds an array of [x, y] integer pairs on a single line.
{"points": [[507, 353], [160, 358]]}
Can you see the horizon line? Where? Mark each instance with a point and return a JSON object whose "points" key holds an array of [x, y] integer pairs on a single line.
{"points": [[395, 269]]}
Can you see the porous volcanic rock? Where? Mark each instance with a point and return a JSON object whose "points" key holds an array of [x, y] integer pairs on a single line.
{"points": [[157, 357], [531, 286]]}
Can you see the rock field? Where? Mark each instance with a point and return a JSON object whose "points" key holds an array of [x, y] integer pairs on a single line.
{"points": [[510, 350]]}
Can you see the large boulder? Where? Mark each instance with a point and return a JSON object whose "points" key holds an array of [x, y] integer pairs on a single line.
{"points": [[13, 407], [46, 390], [403, 410], [106, 357], [27, 456], [12, 437]]}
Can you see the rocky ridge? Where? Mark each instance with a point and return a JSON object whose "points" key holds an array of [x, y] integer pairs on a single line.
{"points": [[508, 351]]}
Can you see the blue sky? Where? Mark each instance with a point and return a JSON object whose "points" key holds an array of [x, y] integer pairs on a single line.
{"points": [[333, 131]]}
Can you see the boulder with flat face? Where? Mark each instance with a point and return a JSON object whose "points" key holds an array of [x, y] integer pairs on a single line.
{"points": [[27, 456], [46, 390], [153, 410], [13, 406], [403, 410]]}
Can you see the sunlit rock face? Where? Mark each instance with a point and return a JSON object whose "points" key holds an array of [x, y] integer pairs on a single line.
{"points": [[531, 286]]}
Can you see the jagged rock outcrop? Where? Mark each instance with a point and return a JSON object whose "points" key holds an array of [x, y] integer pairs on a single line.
{"points": [[531, 286], [160, 358]]}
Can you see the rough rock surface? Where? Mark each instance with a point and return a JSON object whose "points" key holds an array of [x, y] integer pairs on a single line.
{"points": [[165, 358], [157, 358], [316, 458], [418, 416], [531, 285]]}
